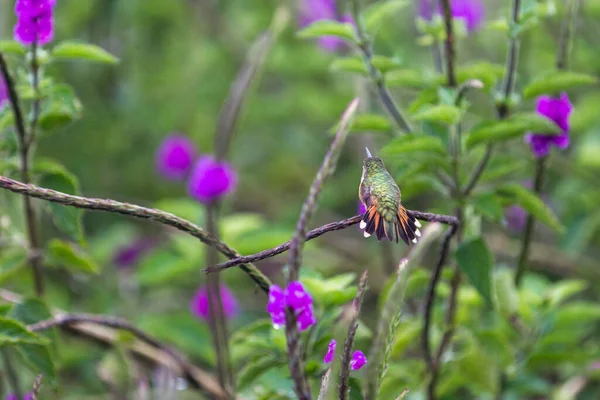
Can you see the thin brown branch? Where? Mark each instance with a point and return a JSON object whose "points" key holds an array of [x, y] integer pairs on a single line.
{"points": [[104, 330], [349, 342], [37, 385], [315, 233], [292, 334], [385, 96], [502, 109], [449, 45], [324, 384], [431, 295], [133, 210], [25, 146], [566, 35]]}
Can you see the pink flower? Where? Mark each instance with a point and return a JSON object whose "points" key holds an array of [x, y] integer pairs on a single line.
{"points": [[358, 360], [330, 352], [199, 303], [3, 93], [211, 180], [472, 12], [175, 157]]}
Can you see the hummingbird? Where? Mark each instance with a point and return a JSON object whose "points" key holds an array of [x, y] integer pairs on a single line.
{"points": [[380, 195]]}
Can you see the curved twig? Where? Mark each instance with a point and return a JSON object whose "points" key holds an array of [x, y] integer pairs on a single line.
{"points": [[315, 233], [133, 210]]}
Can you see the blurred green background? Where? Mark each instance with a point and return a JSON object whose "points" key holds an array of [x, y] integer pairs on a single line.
{"points": [[178, 59]]}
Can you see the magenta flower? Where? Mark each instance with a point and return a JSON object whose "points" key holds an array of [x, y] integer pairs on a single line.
{"points": [[276, 306], [472, 12], [358, 360], [557, 110], [295, 297], [129, 255], [175, 157], [3, 93], [199, 303], [35, 21], [316, 10], [330, 352], [211, 180]]}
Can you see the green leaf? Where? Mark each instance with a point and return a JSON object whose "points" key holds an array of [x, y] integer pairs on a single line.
{"points": [[39, 359], [531, 203], [64, 254], [328, 28], [480, 369], [377, 12], [577, 313], [71, 50], [488, 205], [561, 291], [557, 81], [62, 108], [57, 177], [355, 389], [475, 260], [441, 113], [370, 123], [7, 118], [12, 260], [406, 78], [507, 295], [349, 64], [513, 127], [12, 47], [486, 72], [13, 332], [331, 292], [256, 368], [412, 143]]}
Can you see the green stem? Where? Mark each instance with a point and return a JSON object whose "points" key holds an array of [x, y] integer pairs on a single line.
{"points": [[11, 374]]}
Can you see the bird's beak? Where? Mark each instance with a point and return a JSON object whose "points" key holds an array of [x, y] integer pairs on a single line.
{"points": [[368, 152]]}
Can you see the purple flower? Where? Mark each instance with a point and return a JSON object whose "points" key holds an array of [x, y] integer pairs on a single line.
{"points": [[358, 360], [295, 297], [129, 255], [35, 21], [3, 93], [199, 303], [330, 352], [175, 157], [306, 318], [27, 396], [472, 12], [276, 306], [557, 110], [211, 180], [316, 10], [515, 218]]}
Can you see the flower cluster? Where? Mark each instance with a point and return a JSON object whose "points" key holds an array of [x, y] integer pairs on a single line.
{"points": [[558, 110], [358, 357], [35, 21], [295, 297], [209, 179], [472, 12], [316, 10], [199, 303]]}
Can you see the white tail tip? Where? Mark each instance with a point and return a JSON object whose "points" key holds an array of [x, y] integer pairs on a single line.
{"points": [[367, 234], [414, 240], [362, 225], [418, 233], [417, 223]]}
